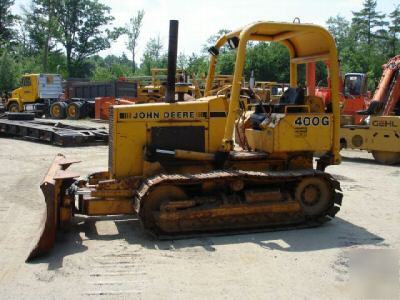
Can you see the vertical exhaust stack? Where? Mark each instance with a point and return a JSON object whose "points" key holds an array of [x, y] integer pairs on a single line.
{"points": [[172, 57]]}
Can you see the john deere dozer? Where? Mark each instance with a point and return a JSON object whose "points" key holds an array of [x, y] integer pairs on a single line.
{"points": [[175, 165]]}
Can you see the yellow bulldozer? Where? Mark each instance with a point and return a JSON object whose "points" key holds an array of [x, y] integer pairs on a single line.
{"points": [[155, 91], [176, 167], [269, 91]]}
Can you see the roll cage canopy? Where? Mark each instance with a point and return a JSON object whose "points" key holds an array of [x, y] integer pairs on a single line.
{"points": [[306, 43]]}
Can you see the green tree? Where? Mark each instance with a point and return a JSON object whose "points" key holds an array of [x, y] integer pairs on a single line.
{"points": [[197, 65], [7, 20], [111, 67], [269, 61], [132, 30], [153, 56], [212, 40], [102, 74], [368, 22], [123, 59], [363, 45], [226, 62], [182, 61], [226, 58], [339, 27], [81, 23], [394, 30], [43, 28], [24, 47], [154, 48], [8, 73]]}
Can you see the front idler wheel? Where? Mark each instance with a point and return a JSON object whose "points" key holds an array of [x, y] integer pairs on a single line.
{"points": [[158, 198], [314, 195]]}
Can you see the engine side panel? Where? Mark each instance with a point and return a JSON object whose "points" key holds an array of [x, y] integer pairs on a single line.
{"points": [[192, 125], [293, 132]]}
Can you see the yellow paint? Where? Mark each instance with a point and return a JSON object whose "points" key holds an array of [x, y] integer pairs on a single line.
{"points": [[383, 134], [155, 91], [29, 91], [131, 129], [98, 207], [283, 135], [305, 43], [131, 125]]}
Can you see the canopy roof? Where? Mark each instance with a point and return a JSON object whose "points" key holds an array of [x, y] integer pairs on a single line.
{"points": [[306, 42]]}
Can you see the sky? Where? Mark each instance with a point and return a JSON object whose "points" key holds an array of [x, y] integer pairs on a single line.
{"points": [[199, 19]]}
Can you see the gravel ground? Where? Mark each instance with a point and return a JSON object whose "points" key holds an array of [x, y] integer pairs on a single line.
{"points": [[108, 258]]}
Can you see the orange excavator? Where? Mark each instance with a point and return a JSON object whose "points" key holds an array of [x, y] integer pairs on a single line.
{"points": [[354, 96], [386, 100]]}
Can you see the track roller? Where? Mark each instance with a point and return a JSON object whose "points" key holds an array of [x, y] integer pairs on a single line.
{"points": [[221, 201]]}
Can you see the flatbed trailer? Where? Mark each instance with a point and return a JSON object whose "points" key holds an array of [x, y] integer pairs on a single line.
{"points": [[55, 133]]}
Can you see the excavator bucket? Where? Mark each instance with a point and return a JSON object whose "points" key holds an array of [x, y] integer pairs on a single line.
{"points": [[53, 187]]}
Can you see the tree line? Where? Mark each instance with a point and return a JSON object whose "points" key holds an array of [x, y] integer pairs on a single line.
{"points": [[65, 36]]}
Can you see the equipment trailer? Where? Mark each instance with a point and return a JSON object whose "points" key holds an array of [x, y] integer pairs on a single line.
{"points": [[55, 133]]}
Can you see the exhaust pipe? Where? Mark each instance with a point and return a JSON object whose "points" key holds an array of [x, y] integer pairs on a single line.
{"points": [[172, 57]]}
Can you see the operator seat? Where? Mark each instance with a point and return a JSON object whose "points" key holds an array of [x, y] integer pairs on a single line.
{"points": [[292, 97]]}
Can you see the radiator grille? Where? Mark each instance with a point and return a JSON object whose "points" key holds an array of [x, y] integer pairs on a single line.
{"points": [[191, 138], [111, 141]]}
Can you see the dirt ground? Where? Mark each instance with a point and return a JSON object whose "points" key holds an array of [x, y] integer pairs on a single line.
{"points": [[108, 258]]}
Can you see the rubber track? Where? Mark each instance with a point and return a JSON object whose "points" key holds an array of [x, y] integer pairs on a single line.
{"points": [[272, 176]]}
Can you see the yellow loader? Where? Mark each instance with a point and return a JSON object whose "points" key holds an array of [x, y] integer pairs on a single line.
{"points": [[175, 165]]}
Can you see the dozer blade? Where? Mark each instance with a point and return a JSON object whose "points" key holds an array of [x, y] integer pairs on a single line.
{"points": [[53, 187]]}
